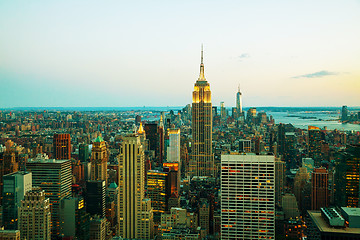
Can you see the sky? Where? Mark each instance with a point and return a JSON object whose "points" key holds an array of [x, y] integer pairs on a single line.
{"points": [[147, 53]]}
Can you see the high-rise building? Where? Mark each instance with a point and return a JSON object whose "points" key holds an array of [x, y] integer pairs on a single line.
{"points": [[35, 215], [112, 195], [319, 189], [347, 175], [173, 171], [315, 139], [132, 188], [9, 234], [83, 152], [245, 145], [54, 177], [98, 228], [62, 146], [223, 112], [301, 178], [247, 197], [76, 219], [204, 215], [95, 197], [16, 185], [279, 180], [99, 159], [8, 163], [158, 191], [173, 150], [290, 206], [239, 101], [202, 160], [344, 113]]}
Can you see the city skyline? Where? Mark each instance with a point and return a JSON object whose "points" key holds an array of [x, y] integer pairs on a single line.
{"points": [[117, 54]]}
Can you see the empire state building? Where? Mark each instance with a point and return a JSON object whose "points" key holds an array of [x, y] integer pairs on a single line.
{"points": [[202, 160]]}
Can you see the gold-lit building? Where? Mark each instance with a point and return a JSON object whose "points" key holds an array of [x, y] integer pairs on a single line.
{"points": [[99, 159], [134, 211], [202, 161], [157, 190]]}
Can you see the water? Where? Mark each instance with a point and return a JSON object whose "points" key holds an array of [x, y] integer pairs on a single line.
{"points": [[319, 119]]}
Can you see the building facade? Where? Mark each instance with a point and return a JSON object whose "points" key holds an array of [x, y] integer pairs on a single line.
{"points": [[99, 159], [319, 188], [131, 187], [54, 177], [16, 185], [62, 146], [247, 197], [35, 215], [202, 160]]}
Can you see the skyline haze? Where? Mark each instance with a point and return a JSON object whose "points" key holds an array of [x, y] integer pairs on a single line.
{"points": [[115, 54]]}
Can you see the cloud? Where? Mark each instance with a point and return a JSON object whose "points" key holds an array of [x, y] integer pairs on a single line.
{"points": [[243, 56], [317, 74]]}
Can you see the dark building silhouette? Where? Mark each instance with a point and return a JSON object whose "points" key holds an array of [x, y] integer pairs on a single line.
{"points": [[95, 197]]}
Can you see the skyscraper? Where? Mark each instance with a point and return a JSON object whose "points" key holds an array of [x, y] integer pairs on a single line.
{"points": [[132, 188], [15, 187], [202, 161], [99, 159], [239, 101], [35, 215], [158, 191], [95, 197], [347, 175], [53, 176], [344, 113], [319, 189], [173, 150], [62, 146], [279, 180], [247, 197]]}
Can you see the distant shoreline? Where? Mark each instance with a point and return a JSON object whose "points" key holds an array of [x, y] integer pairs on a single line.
{"points": [[175, 108]]}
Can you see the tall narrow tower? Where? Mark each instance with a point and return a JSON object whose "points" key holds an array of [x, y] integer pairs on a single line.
{"points": [[239, 101], [99, 158], [202, 161], [135, 216]]}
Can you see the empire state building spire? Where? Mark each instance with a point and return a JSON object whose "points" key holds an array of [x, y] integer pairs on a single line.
{"points": [[202, 76], [202, 159]]}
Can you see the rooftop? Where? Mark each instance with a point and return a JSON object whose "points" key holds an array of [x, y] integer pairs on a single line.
{"points": [[323, 226], [99, 139], [351, 211]]}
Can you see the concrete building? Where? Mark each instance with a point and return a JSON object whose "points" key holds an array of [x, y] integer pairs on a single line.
{"points": [[328, 224], [247, 196], [98, 228], [158, 190], [16, 185], [95, 197], [279, 180], [54, 177], [77, 220], [99, 159], [319, 188], [62, 146], [290, 206], [132, 188], [173, 150], [202, 159], [35, 215], [9, 234]]}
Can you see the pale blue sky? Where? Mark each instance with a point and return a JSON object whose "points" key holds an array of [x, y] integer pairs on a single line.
{"points": [[147, 53]]}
